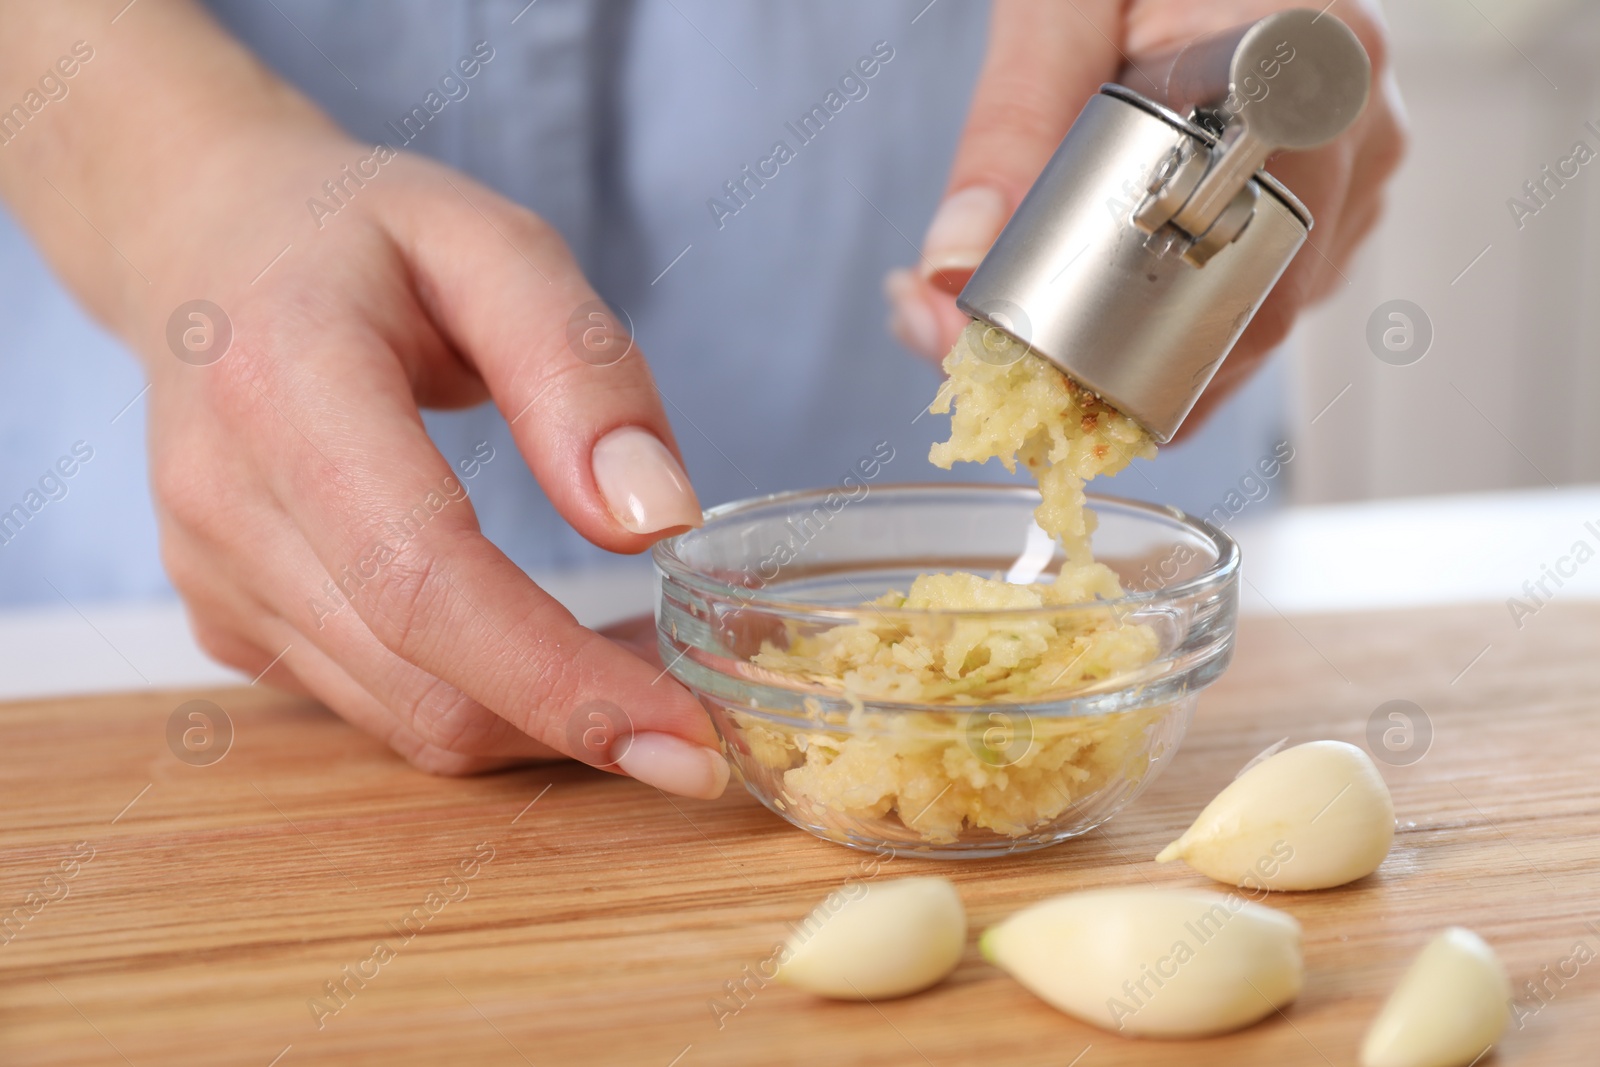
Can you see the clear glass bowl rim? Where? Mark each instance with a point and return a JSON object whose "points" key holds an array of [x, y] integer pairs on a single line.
{"points": [[672, 565]]}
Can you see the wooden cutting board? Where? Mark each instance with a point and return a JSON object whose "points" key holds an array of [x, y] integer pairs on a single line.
{"points": [[208, 906]]}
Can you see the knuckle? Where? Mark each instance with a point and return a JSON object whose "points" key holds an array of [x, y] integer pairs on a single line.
{"points": [[557, 690], [224, 645], [1367, 221], [447, 719], [1272, 324], [409, 599], [184, 569], [180, 484], [445, 764], [529, 230], [523, 228], [226, 387], [1020, 134], [1393, 140], [567, 390], [1366, 20], [431, 759]]}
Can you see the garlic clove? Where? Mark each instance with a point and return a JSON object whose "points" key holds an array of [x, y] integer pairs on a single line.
{"points": [[1310, 817], [1451, 1005], [1153, 962], [890, 939]]}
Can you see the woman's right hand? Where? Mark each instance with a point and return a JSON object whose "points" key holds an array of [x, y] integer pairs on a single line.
{"points": [[1044, 60], [306, 517]]}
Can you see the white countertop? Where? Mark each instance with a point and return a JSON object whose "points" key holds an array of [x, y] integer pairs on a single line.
{"points": [[1384, 554]]}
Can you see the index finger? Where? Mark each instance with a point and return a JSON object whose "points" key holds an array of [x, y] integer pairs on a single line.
{"points": [[387, 517]]}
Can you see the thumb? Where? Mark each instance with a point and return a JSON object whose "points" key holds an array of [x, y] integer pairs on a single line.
{"points": [[1044, 60], [561, 365]]}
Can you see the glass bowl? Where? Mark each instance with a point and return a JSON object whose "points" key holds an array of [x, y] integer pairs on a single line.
{"points": [[950, 768]]}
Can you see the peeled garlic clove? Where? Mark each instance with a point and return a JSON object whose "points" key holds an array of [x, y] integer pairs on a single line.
{"points": [[1310, 817], [890, 939], [1153, 962], [1452, 1004]]}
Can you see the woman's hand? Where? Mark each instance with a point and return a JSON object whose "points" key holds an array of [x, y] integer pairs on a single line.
{"points": [[1044, 60], [299, 459], [306, 518]]}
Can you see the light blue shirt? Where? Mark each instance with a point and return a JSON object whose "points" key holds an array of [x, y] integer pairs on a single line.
{"points": [[623, 122]]}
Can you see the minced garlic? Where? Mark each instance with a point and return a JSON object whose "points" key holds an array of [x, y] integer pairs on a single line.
{"points": [[943, 772], [1011, 405]]}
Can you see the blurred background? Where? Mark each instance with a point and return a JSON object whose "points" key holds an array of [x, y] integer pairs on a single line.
{"points": [[1487, 381], [1506, 394]]}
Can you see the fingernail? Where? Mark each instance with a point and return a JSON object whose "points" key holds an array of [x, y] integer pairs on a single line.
{"points": [[961, 232], [644, 485], [675, 765], [910, 319]]}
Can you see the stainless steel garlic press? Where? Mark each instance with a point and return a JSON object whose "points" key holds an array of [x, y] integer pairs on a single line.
{"points": [[1152, 236]]}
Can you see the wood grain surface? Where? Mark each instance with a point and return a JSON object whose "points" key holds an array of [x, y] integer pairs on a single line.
{"points": [[192, 914]]}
